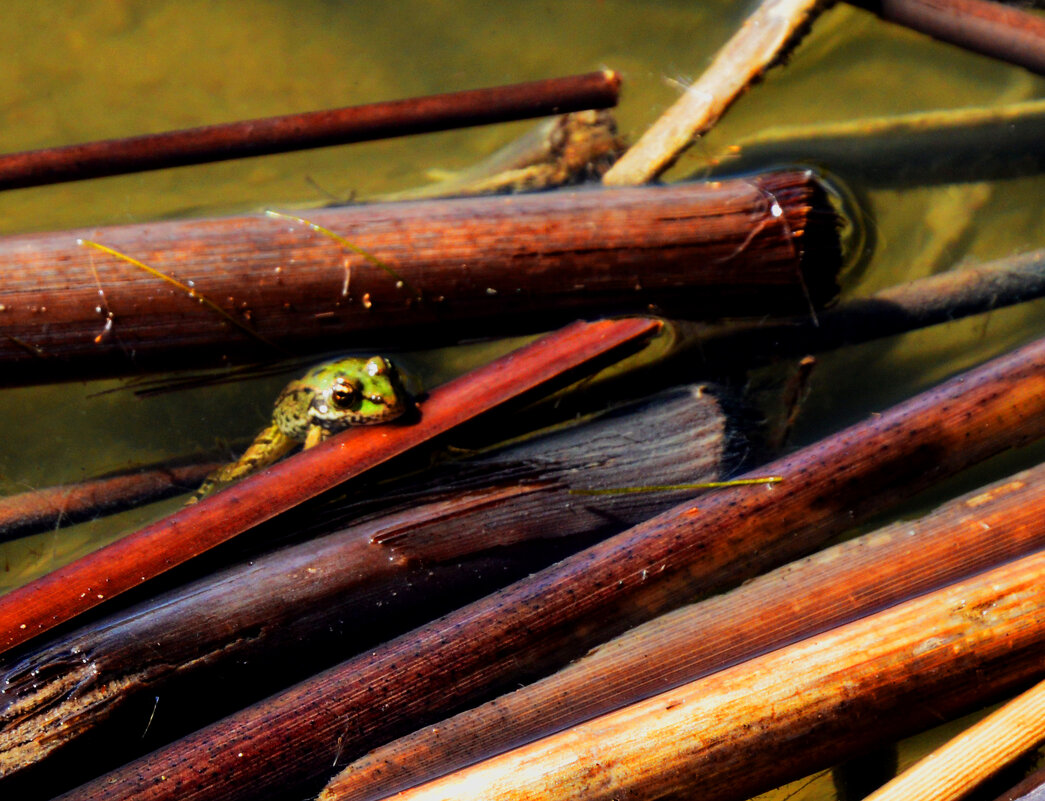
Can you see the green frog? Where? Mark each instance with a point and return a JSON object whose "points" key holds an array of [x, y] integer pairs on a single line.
{"points": [[352, 391]]}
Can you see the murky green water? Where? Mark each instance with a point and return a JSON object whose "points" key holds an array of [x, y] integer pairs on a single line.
{"points": [[75, 72]]}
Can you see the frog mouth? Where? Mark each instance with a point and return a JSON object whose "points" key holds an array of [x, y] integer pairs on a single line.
{"points": [[333, 420]]}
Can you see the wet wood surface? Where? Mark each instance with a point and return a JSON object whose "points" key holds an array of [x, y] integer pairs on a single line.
{"points": [[256, 287], [294, 739], [832, 587], [37, 607], [445, 540]]}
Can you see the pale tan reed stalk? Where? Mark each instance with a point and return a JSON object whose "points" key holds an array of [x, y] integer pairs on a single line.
{"points": [[762, 41]]}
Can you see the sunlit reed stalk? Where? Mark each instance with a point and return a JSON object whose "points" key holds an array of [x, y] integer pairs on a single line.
{"points": [[760, 244]]}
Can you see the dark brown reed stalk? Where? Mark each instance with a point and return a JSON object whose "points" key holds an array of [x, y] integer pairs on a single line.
{"points": [[81, 585], [832, 587], [445, 541], [291, 740], [315, 129], [1030, 789], [466, 267], [793, 711], [939, 298], [992, 29], [39, 510]]}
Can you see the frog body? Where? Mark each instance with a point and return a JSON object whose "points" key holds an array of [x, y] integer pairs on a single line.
{"points": [[351, 391]]}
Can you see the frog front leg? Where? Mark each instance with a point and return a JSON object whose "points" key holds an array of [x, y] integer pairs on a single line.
{"points": [[268, 447], [315, 435]]}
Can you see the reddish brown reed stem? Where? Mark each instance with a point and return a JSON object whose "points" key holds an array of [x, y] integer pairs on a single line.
{"points": [[314, 129], [85, 583], [543, 621], [992, 29], [466, 267]]}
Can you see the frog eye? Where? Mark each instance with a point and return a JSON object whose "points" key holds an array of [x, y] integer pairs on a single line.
{"points": [[377, 366], [343, 394]]}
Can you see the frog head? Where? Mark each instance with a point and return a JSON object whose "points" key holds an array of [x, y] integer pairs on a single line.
{"points": [[352, 391]]}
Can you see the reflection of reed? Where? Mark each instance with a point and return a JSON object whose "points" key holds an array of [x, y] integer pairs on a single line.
{"points": [[969, 144], [51, 507], [921, 303]]}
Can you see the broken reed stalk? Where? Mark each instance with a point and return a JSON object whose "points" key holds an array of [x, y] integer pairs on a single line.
{"points": [[61, 595], [949, 772], [539, 623], [937, 299], [450, 268], [752, 726], [762, 41], [314, 129], [50, 507], [445, 541], [991, 29], [827, 589], [569, 149]]}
